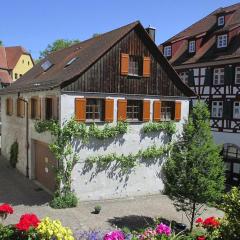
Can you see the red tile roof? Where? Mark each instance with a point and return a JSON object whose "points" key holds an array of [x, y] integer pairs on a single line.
{"points": [[5, 77]]}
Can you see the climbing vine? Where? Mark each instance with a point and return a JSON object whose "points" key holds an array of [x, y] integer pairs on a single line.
{"points": [[129, 161], [62, 148], [168, 127]]}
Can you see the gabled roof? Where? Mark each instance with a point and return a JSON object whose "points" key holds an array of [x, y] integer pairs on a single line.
{"points": [[86, 54], [207, 29], [5, 77]]}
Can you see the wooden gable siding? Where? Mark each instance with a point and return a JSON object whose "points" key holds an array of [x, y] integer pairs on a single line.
{"points": [[104, 76]]}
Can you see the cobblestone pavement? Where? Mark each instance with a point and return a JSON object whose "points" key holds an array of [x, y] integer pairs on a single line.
{"points": [[26, 197]]}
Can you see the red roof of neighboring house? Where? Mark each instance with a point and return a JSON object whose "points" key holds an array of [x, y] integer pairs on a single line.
{"points": [[9, 57], [207, 30]]}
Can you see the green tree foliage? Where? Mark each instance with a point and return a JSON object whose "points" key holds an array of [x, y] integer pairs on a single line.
{"points": [[57, 45], [96, 35], [1, 43], [194, 172]]}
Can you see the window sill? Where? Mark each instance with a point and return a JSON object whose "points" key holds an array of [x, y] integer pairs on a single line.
{"points": [[134, 121]]}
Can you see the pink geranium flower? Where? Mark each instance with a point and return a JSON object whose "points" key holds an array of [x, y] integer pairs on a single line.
{"points": [[163, 229], [114, 235]]}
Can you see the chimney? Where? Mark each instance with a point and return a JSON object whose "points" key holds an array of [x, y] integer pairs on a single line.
{"points": [[151, 32]]}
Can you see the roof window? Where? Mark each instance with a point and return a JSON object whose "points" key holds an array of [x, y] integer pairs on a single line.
{"points": [[71, 61], [46, 65]]}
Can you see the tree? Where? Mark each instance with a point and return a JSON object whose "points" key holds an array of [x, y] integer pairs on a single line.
{"points": [[1, 43], [194, 172], [57, 45], [96, 35]]}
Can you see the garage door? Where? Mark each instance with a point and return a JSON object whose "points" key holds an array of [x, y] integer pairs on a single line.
{"points": [[45, 164]]}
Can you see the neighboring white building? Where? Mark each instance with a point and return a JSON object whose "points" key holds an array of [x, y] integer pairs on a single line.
{"points": [[118, 76]]}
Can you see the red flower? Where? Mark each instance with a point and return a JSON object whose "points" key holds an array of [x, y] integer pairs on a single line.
{"points": [[27, 221], [6, 209], [201, 238], [199, 220], [211, 222]]}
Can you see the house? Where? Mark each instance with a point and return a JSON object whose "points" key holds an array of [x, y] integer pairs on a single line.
{"points": [[206, 55], [117, 76], [14, 62]]}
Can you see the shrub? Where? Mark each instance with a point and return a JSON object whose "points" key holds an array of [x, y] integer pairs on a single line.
{"points": [[14, 154], [69, 200], [97, 209]]}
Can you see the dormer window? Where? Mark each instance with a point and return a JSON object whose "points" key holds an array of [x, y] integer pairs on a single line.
{"points": [[167, 51], [192, 46], [222, 41], [221, 21], [46, 65]]}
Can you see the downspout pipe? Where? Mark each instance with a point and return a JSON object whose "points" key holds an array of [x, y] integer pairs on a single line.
{"points": [[27, 134]]}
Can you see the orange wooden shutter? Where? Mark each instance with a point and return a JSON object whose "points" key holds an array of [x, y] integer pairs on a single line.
{"points": [[109, 110], [20, 108], [146, 66], [124, 63], [157, 110], [122, 110], [146, 110], [80, 109], [9, 106], [178, 107]]}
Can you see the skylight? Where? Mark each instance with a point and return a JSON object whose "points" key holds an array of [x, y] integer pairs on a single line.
{"points": [[46, 65], [71, 61]]}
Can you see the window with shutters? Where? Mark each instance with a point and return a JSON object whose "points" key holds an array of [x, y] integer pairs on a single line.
{"points": [[20, 107], [94, 109], [184, 77], [222, 41], [135, 67], [49, 108], [217, 109], [167, 110], [9, 106], [134, 110], [34, 108], [218, 76], [167, 52], [237, 75], [236, 110]]}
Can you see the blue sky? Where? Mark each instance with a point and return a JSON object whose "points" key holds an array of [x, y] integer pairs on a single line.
{"points": [[35, 23]]}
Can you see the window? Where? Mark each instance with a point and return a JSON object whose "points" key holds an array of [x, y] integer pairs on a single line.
{"points": [[221, 21], [20, 75], [49, 108], [167, 110], [184, 77], [192, 46], [16, 76], [20, 107], [237, 75], [167, 51], [134, 110], [236, 110], [9, 106], [217, 109], [71, 61], [218, 76], [23, 61], [94, 109], [46, 65], [222, 41], [135, 66], [28, 63], [34, 105]]}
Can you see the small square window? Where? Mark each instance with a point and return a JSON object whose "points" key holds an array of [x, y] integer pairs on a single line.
{"points": [[167, 51], [94, 109], [217, 109], [134, 110], [16, 76], [222, 41], [192, 46], [221, 21], [135, 66]]}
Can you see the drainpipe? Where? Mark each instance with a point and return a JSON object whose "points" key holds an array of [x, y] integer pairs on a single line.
{"points": [[27, 136]]}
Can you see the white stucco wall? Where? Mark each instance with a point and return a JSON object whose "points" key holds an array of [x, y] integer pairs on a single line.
{"points": [[14, 128], [109, 183]]}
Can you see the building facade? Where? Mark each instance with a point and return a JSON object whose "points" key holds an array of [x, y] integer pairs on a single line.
{"points": [[207, 58], [118, 76]]}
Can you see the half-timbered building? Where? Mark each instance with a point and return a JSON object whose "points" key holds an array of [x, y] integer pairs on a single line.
{"points": [[118, 76], [206, 55]]}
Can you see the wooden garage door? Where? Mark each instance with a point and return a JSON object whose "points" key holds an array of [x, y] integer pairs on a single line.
{"points": [[45, 164]]}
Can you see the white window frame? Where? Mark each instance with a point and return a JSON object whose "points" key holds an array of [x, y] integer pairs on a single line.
{"points": [[218, 76], [236, 110], [167, 51], [221, 21], [222, 41], [192, 46], [237, 75], [217, 109], [184, 77]]}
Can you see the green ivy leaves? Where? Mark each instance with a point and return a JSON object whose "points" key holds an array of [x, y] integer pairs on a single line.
{"points": [[168, 127]]}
